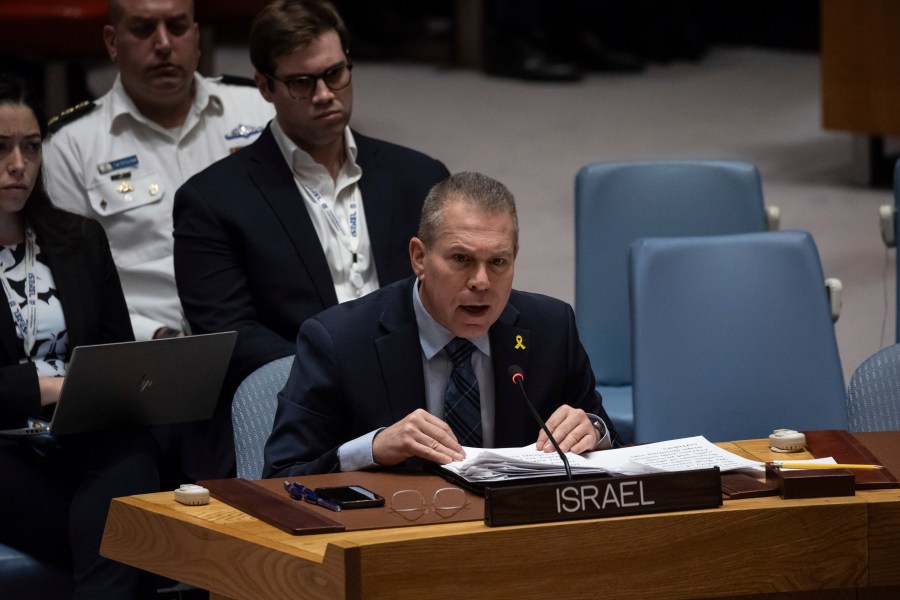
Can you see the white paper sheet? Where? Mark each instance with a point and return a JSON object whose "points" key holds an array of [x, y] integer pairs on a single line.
{"points": [[497, 464]]}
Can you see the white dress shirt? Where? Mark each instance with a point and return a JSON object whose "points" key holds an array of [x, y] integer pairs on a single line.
{"points": [[343, 199]]}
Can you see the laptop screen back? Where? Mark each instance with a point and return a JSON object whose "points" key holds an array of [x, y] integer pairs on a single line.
{"points": [[151, 382]]}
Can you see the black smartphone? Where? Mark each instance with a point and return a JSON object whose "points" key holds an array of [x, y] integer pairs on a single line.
{"points": [[350, 496]]}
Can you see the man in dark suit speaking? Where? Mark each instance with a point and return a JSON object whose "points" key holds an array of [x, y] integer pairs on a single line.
{"points": [[310, 214], [419, 368]]}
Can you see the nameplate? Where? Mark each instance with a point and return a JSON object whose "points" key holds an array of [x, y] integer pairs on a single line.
{"points": [[602, 497], [812, 483]]}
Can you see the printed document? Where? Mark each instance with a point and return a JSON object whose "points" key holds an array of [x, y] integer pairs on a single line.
{"points": [[496, 464]]}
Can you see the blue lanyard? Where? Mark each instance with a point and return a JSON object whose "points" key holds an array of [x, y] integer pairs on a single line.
{"points": [[26, 325], [351, 241]]}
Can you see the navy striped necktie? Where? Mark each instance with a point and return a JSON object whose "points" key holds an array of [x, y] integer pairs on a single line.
{"points": [[462, 402]]}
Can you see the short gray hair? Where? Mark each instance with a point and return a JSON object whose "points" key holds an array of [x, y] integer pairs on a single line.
{"points": [[474, 189]]}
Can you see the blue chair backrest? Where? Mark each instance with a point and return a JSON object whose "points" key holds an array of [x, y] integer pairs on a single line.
{"points": [[616, 203], [873, 397], [733, 338], [253, 413]]}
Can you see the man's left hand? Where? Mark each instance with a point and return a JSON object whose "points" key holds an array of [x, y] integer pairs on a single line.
{"points": [[572, 430]]}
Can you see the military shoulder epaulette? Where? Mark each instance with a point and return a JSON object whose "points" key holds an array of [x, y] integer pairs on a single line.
{"points": [[236, 80], [70, 114]]}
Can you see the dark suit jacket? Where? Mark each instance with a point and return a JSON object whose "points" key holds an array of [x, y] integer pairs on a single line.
{"points": [[359, 367], [247, 257], [94, 309]]}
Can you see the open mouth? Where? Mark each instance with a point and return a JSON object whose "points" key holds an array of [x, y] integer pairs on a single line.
{"points": [[477, 309]]}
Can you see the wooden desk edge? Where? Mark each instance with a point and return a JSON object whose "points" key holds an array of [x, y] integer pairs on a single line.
{"points": [[155, 533], [163, 539]]}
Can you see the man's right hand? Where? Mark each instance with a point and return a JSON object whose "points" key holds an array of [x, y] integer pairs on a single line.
{"points": [[418, 434]]}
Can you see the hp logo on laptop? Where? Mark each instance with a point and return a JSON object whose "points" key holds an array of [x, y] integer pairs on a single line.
{"points": [[144, 384]]}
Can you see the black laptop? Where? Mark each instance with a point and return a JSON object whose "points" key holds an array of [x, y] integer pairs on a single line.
{"points": [[154, 382]]}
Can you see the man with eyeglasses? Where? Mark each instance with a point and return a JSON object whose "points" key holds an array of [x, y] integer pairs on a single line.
{"points": [[119, 159], [309, 215]]}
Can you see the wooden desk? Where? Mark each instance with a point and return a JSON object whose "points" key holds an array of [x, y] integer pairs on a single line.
{"points": [[761, 547]]}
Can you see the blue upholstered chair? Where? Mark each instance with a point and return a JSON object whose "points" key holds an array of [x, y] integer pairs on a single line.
{"points": [[732, 338], [253, 412], [873, 397], [616, 203], [23, 577]]}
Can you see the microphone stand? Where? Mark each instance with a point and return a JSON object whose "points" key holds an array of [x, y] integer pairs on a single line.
{"points": [[517, 377]]}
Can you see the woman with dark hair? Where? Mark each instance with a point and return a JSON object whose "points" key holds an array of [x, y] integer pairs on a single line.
{"points": [[62, 291]]}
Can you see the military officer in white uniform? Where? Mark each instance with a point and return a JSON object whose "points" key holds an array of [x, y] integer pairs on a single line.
{"points": [[120, 159]]}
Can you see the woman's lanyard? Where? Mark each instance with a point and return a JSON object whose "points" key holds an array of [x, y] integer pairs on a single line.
{"points": [[27, 325], [349, 241]]}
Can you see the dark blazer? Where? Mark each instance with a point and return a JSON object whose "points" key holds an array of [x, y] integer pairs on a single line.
{"points": [[359, 367], [94, 309], [247, 257]]}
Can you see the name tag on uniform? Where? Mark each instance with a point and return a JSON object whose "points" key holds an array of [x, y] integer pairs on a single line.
{"points": [[119, 163], [243, 131]]}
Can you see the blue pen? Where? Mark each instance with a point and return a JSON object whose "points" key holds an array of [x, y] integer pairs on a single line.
{"points": [[298, 491], [295, 490], [327, 503]]}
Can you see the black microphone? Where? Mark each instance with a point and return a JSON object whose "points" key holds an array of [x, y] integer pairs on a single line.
{"points": [[515, 373]]}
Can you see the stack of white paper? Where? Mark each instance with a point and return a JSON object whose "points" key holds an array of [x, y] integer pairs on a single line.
{"points": [[497, 464], [513, 463]]}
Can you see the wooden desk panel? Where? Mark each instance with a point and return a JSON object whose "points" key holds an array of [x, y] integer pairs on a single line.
{"points": [[236, 562], [684, 555], [755, 546], [833, 548], [884, 550]]}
